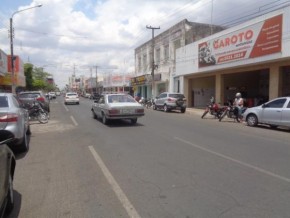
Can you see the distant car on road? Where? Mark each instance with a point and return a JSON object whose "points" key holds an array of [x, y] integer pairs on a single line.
{"points": [[32, 96], [7, 169], [52, 95], [87, 95], [71, 98], [14, 121], [95, 96], [170, 101], [117, 107], [273, 113]]}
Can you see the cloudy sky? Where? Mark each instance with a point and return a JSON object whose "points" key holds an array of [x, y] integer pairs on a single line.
{"points": [[64, 36]]}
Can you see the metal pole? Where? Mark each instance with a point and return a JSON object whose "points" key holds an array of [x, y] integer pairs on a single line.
{"points": [[12, 57], [13, 87], [153, 64]]}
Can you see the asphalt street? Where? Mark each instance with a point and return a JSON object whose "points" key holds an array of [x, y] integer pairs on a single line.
{"points": [[167, 165]]}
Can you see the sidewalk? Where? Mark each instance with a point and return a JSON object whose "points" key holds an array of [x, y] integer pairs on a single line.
{"points": [[194, 111]]}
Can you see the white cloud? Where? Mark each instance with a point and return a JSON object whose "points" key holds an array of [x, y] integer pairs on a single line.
{"points": [[89, 32]]}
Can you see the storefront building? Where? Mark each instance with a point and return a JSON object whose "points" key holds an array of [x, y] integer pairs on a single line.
{"points": [[252, 58], [162, 51], [5, 73], [3, 68], [117, 82]]}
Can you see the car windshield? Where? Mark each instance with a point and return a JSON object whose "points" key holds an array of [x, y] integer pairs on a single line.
{"points": [[176, 96], [3, 101], [72, 94], [120, 99], [29, 95]]}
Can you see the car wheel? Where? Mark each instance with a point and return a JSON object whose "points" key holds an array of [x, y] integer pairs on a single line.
{"points": [[94, 115], [42, 117], [104, 119], [183, 110], [154, 107], [252, 120], [28, 130], [134, 121], [165, 108], [10, 196], [24, 146]]}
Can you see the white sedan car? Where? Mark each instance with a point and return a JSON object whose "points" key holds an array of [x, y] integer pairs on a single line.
{"points": [[274, 113], [117, 106], [71, 98]]}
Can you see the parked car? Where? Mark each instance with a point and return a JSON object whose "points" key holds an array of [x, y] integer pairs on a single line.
{"points": [[170, 101], [117, 106], [273, 113], [71, 98], [14, 121], [95, 96], [52, 95], [30, 96], [87, 95], [7, 169]]}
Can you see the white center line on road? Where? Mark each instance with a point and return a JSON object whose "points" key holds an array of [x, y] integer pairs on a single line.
{"points": [[74, 121], [236, 161], [65, 107], [115, 186]]}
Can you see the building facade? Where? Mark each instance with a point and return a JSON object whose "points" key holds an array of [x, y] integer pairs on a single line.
{"points": [[252, 58], [6, 75], [164, 48]]}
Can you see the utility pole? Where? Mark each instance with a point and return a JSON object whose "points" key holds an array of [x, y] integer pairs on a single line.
{"points": [[12, 57], [153, 63]]}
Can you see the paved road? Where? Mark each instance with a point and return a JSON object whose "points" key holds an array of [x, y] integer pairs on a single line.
{"points": [[168, 165]]}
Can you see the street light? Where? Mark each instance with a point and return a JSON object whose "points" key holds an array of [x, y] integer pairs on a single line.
{"points": [[11, 45]]}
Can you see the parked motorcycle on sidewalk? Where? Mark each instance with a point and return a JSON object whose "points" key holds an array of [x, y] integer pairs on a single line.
{"points": [[213, 109], [149, 103], [36, 112], [232, 112]]}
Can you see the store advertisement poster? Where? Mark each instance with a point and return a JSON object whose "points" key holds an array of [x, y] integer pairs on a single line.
{"points": [[257, 40]]}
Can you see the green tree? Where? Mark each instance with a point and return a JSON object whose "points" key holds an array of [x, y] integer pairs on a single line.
{"points": [[28, 72], [36, 78]]}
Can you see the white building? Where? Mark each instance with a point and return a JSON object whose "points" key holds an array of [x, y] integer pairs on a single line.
{"points": [[165, 45], [252, 58]]}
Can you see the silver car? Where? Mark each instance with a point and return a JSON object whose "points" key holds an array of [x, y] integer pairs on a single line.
{"points": [[14, 121], [274, 113], [71, 98], [7, 169], [170, 101], [117, 106]]}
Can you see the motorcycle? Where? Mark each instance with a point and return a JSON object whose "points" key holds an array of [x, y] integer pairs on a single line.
{"points": [[232, 112], [36, 112], [149, 103], [213, 109]]}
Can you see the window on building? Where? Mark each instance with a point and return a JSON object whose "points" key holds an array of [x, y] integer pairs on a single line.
{"points": [[145, 61], [166, 52], [157, 56], [177, 44], [139, 63]]}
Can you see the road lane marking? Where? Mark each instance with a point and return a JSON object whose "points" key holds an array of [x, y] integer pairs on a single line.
{"points": [[115, 186], [65, 107], [74, 121], [234, 160]]}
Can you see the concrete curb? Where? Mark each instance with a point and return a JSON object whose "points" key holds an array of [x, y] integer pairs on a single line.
{"points": [[194, 111]]}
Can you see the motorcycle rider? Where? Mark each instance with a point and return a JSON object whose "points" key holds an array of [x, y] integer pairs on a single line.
{"points": [[239, 103]]}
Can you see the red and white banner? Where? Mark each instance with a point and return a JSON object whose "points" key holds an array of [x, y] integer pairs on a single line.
{"points": [[257, 40]]}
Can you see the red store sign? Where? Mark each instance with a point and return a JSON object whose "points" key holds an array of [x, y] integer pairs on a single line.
{"points": [[257, 40]]}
